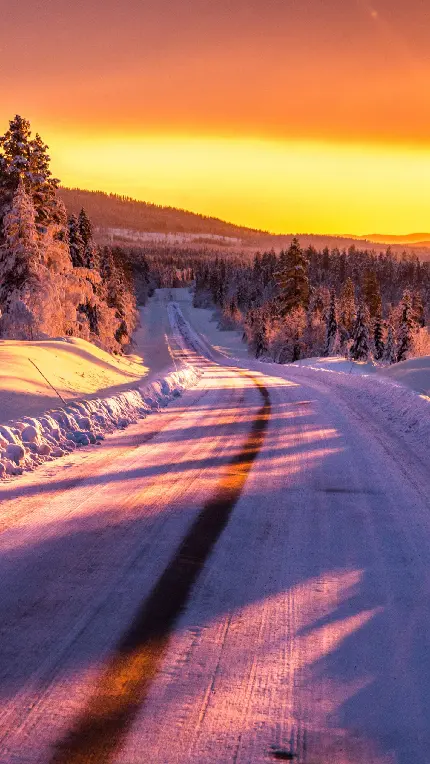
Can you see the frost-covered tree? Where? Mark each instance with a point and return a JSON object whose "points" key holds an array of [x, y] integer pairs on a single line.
{"points": [[43, 186], [360, 347], [406, 327], [390, 352], [20, 252], [372, 294], [22, 273], [331, 326], [16, 154], [76, 244], [347, 309], [90, 253], [26, 159], [292, 278], [378, 338]]}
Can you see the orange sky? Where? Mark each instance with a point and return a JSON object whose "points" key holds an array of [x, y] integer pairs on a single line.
{"points": [[285, 115]]}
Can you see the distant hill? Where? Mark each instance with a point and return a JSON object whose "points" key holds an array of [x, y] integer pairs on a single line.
{"points": [[421, 239], [123, 220], [114, 211]]}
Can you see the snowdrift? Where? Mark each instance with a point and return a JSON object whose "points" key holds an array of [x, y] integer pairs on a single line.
{"points": [[75, 367], [414, 373], [29, 440]]}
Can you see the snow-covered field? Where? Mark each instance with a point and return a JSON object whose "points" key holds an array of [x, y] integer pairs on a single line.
{"points": [[414, 373], [31, 373], [243, 578]]}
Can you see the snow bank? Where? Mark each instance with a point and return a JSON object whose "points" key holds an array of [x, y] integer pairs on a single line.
{"points": [[414, 373], [338, 363], [30, 441], [382, 400]]}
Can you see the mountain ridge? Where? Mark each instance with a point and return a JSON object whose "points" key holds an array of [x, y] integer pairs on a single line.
{"points": [[124, 219]]}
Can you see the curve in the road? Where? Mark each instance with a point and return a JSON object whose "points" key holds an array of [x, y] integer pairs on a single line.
{"points": [[124, 684]]}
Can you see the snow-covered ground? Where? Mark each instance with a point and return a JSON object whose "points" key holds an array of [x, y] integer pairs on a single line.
{"points": [[31, 434], [136, 626], [414, 373], [77, 369], [339, 364]]}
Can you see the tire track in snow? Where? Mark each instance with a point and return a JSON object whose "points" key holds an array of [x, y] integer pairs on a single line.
{"points": [[124, 684]]}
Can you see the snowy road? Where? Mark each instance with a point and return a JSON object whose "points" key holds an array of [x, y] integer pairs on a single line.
{"points": [[243, 578]]}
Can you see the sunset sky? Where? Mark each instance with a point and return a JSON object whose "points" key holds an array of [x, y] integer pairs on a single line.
{"points": [[311, 115]]}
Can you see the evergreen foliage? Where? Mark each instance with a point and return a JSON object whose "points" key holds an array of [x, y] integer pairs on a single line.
{"points": [[406, 327], [50, 282], [292, 279], [378, 338], [331, 326], [390, 353], [360, 347]]}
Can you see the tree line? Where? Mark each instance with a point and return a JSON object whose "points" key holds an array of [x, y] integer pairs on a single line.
{"points": [[54, 280], [305, 303]]}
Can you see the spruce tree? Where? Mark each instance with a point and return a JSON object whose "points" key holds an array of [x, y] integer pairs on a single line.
{"points": [[26, 159], [21, 270], [76, 244], [378, 340], [292, 278], [372, 294], [406, 327], [390, 353], [86, 233], [331, 326], [21, 251], [16, 153], [347, 309], [360, 347], [43, 185]]}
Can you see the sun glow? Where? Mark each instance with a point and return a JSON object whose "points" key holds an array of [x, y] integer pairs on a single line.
{"points": [[281, 186]]}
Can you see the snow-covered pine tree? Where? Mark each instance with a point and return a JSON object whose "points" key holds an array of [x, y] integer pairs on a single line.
{"points": [[292, 278], [76, 244], [406, 327], [16, 153], [378, 338], [347, 309], [21, 270], [372, 294], [26, 159], [331, 326], [390, 353], [20, 252], [90, 254], [360, 347], [43, 185]]}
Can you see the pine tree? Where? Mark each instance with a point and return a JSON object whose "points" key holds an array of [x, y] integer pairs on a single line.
{"points": [[347, 309], [76, 244], [21, 269], [406, 327], [86, 233], [21, 251], [360, 347], [372, 294], [292, 279], [378, 341], [390, 353], [16, 152], [26, 159], [331, 326], [43, 186]]}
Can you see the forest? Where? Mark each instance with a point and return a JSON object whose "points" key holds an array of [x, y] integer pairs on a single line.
{"points": [[54, 280], [300, 303]]}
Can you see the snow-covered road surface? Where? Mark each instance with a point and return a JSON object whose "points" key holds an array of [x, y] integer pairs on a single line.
{"points": [[243, 578]]}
